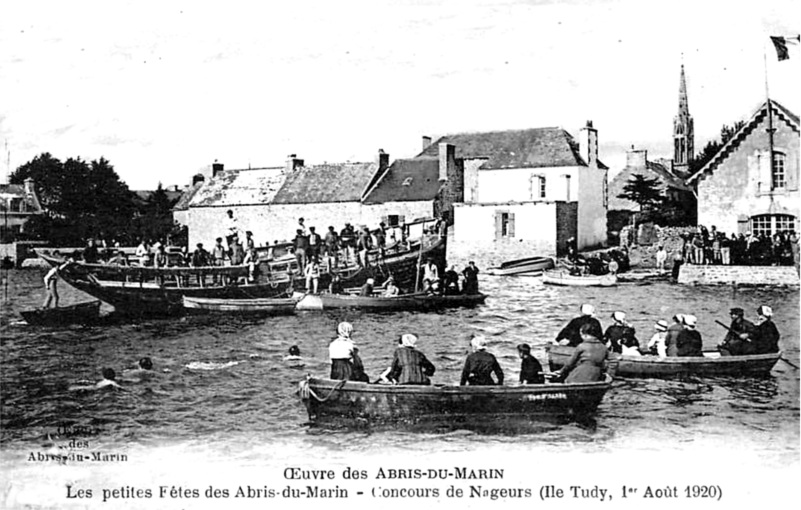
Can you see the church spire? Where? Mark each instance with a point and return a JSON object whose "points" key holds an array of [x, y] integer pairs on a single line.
{"points": [[683, 132]]}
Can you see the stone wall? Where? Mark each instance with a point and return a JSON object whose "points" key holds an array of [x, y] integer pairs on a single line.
{"points": [[644, 255], [738, 275]]}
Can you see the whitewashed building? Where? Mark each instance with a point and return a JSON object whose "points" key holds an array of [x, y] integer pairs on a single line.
{"points": [[527, 192]]}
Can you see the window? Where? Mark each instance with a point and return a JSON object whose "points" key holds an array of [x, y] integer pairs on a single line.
{"points": [[779, 176], [542, 186], [769, 224], [537, 187], [567, 187], [504, 225], [394, 220]]}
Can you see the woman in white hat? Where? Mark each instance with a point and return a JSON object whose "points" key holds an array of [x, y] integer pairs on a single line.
{"points": [[766, 336], [620, 335], [410, 366], [657, 345], [480, 365], [689, 342], [570, 334]]}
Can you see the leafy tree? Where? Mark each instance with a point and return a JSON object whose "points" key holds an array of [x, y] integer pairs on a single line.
{"points": [[643, 191], [80, 199]]}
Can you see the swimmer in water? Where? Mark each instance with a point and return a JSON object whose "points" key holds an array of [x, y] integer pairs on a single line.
{"points": [[109, 380], [294, 358]]}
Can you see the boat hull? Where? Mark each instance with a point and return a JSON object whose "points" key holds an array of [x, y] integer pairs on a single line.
{"points": [[348, 403], [265, 306], [533, 266], [74, 314], [709, 365], [579, 281], [397, 303]]}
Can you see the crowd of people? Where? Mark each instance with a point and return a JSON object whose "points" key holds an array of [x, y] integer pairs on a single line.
{"points": [[681, 338], [709, 246]]}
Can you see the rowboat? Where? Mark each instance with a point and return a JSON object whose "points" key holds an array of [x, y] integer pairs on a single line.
{"points": [[266, 306], [531, 266], [396, 303], [73, 314], [711, 364], [557, 278], [356, 403]]}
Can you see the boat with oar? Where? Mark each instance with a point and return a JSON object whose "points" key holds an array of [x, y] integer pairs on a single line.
{"points": [[63, 315], [565, 279], [531, 266], [408, 302], [349, 403], [262, 306], [711, 364]]}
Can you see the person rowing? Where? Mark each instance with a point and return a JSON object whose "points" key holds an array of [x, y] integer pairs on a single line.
{"points": [[570, 334], [586, 364], [739, 337]]}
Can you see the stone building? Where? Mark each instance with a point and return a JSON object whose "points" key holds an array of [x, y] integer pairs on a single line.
{"points": [[528, 191], [751, 184], [19, 204]]}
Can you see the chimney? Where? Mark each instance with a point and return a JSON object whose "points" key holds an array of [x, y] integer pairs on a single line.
{"points": [[216, 168], [426, 142], [28, 187], [197, 178], [447, 154], [636, 158], [383, 160], [588, 144], [293, 162]]}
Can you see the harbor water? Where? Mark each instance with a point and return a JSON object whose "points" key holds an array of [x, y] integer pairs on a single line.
{"points": [[222, 393]]}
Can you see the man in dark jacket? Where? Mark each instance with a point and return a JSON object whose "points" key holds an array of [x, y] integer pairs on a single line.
{"points": [[739, 339], [570, 334], [480, 365], [689, 342]]}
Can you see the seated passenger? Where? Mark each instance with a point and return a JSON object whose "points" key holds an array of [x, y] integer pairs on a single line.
{"points": [[530, 367], [619, 337], [657, 345], [391, 290], [586, 364], [335, 287], [766, 336], [689, 342], [367, 288], [340, 351], [450, 282], [570, 334], [410, 366], [480, 365]]}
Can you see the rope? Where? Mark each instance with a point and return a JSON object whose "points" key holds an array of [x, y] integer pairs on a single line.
{"points": [[305, 390]]}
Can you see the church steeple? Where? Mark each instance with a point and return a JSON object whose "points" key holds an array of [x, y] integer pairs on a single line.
{"points": [[683, 133]]}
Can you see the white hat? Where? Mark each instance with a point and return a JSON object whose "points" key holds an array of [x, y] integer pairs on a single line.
{"points": [[661, 325], [479, 342], [408, 340], [765, 311], [690, 320], [587, 309], [619, 316]]}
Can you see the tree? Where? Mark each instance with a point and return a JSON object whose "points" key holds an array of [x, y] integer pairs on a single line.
{"points": [[80, 199], [713, 147], [643, 191]]}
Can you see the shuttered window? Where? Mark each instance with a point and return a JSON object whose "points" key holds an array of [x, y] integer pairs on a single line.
{"points": [[779, 174], [504, 225]]}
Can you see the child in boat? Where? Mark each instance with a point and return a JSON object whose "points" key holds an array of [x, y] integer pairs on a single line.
{"points": [[530, 368], [657, 344]]}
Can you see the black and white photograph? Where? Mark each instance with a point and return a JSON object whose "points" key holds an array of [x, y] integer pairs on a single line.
{"points": [[453, 254]]}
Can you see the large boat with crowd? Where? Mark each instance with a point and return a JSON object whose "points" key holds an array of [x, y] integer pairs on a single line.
{"points": [[146, 290]]}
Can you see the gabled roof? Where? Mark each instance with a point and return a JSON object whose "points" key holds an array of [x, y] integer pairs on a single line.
{"points": [[780, 114], [524, 148], [652, 170], [669, 179], [17, 191], [407, 180], [186, 197], [344, 182], [240, 187]]}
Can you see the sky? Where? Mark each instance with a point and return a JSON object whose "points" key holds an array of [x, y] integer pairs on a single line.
{"points": [[162, 89]]}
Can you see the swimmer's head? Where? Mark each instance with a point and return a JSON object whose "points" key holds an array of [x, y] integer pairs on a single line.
{"points": [[146, 363], [109, 373], [294, 351]]}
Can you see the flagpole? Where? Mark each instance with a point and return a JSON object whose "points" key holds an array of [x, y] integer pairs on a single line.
{"points": [[770, 118]]}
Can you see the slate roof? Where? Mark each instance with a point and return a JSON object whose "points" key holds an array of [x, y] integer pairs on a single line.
{"points": [[328, 183], [186, 197], [407, 180], [652, 169], [240, 187], [782, 114], [524, 148]]}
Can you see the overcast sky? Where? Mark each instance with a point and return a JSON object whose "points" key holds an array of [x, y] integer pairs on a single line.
{"points": [[162, 89]]}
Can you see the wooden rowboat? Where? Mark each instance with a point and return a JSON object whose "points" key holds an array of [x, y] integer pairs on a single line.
{"points": [[73, 314], [531, 266], [711, 364], [354, 403], [396, 303], [607, 280], [266, 306]]}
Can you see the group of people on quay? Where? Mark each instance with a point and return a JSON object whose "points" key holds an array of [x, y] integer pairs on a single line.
{"points": [[709, 246], [681, 338], [410, 366]]}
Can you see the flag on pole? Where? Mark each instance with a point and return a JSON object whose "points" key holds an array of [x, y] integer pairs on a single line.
{"points": [[780, 43]]}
